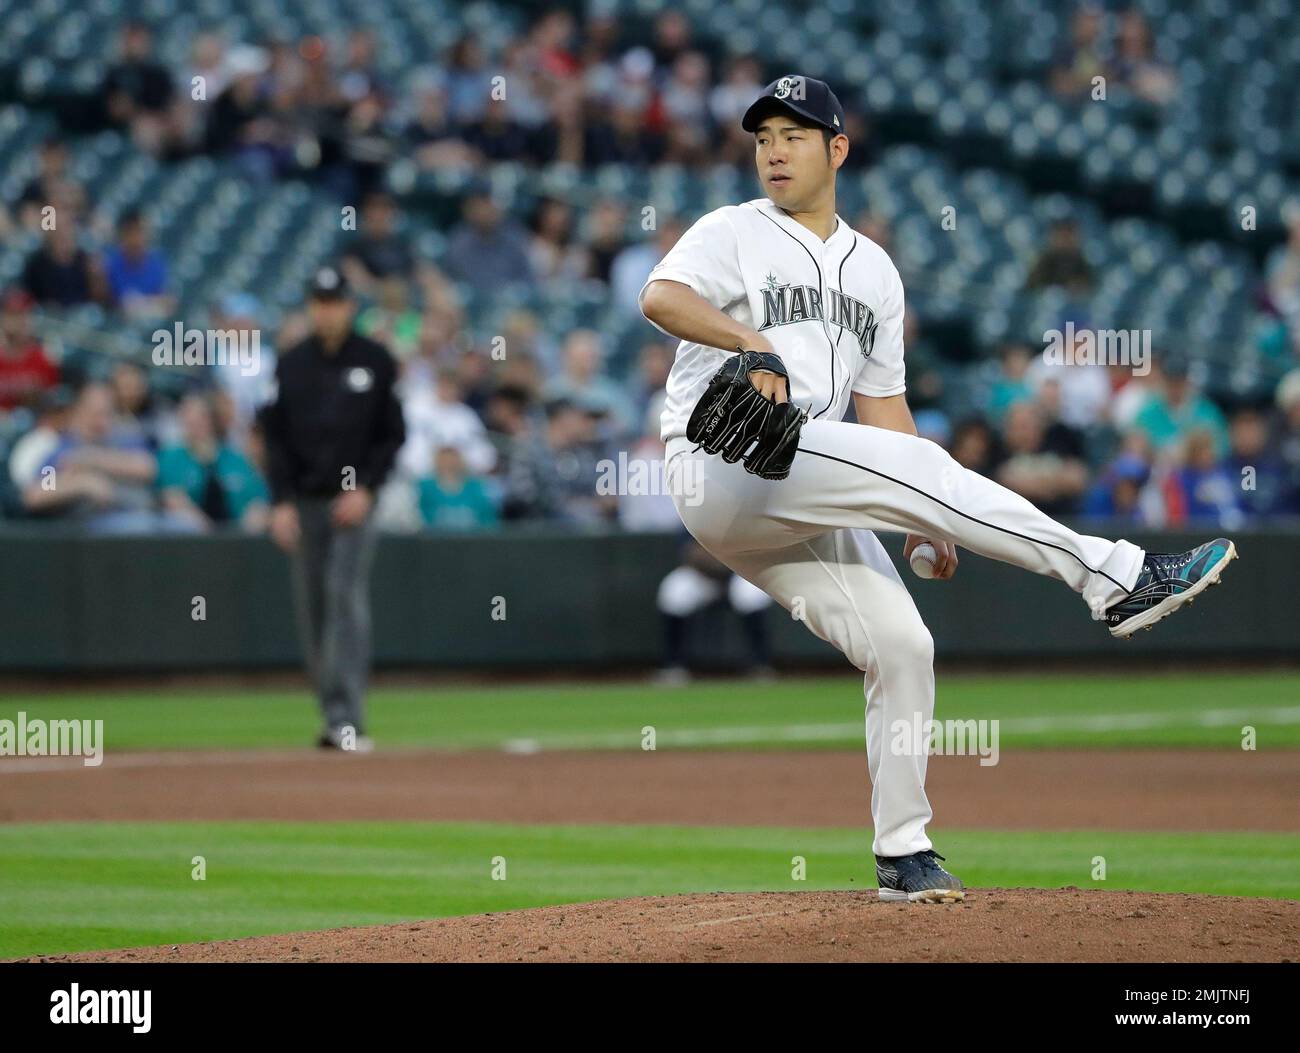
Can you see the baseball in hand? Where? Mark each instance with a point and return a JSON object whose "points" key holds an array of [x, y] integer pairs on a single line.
{"points": [[923, 559]]}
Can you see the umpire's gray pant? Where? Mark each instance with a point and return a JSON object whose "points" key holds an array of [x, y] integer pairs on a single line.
{"points": [[332, 594]]}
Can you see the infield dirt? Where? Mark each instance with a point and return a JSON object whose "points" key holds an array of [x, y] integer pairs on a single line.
{"points": [[1119, 790], [1045, 790], [1000, 925]]}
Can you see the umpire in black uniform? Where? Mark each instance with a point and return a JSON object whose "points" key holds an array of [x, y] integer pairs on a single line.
{"points": [[332, 435]]}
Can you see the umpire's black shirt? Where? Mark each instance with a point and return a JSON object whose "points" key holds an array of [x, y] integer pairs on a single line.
{"points": [[332, 412]]}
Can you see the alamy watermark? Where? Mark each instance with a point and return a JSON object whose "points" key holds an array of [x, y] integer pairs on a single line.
{"points": [[183, 346], [53, 738], [1099, 347], [949, 738], [91, 1006], [647, 477]]}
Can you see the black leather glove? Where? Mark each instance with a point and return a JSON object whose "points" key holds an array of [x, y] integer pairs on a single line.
{"points": [[734, 419]]}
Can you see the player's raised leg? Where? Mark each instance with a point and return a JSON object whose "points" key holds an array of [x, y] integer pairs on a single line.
{"points": [[882, 479]]}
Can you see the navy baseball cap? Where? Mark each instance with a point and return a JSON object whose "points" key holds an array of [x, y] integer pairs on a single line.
{"points": [[812, 100], [327, 283]]}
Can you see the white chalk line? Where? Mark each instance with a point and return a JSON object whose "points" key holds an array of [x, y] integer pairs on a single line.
{"points": [[760, 733], [683, 737]]}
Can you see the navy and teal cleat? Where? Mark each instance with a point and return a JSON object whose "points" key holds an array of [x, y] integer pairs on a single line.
{"points": [[918, 878], [1167, 582]]}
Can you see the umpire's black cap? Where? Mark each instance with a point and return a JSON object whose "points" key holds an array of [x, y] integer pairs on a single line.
{"points": [[327, 283], [812, 100]]}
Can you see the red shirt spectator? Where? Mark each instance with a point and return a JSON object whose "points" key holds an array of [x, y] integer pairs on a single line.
{"points": [[25, 371]]}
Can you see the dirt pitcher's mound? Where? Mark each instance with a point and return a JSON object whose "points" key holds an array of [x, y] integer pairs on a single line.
{"points": [[991, 925]]}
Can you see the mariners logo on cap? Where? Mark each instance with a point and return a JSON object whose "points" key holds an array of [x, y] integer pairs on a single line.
{"points": [[783, 87]]}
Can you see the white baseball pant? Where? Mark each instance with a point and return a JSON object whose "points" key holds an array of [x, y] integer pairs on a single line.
{"points": [[806, 541]]}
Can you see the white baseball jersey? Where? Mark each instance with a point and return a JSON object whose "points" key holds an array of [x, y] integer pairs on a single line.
{"points": [[832, 309]]}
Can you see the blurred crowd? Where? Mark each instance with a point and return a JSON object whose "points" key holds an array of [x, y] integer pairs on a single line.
{"points": [[533, 425], [1122, 59]]}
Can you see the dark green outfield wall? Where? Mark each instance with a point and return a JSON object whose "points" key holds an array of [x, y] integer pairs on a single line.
{"points": [[98, 605]]}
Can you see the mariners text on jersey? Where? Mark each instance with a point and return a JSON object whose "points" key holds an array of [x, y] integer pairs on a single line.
{"points": [[832, 309], [786, 304]]}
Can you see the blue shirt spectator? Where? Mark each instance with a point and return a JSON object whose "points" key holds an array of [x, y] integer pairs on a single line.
{"points": [[136, 271]]}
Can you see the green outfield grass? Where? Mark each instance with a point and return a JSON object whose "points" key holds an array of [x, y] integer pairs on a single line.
{"points": [[1068, 709], [81, 886]]}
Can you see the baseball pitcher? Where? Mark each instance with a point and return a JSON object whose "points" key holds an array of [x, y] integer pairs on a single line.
{"points": [[784, 314]]}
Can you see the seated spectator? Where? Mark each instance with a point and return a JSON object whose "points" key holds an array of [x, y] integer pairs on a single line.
{"points": [[975, 445], [1283, 274], [1175, 408], [34, 448], [487, 251], [604, 239], [684, 98], [628, 128], [1011, 385], [1044, 462], [476, 378], [437, 417], [582, 381], [553, 251], [432, 136], [1117, 494], [469, 82], [365, 148], [672, 37], [243, 392], [1288, 445], [1136, 67], [207, 482], [632, 266], [51, 186], [62, 274], [497, 136], [208, 59], [392, 320], [139, 413], [138, 91], [1084, 385], [25, 370], [137, 271], [1209, 493], [357, 77], [652, 367], [1131, 391], [507, 417], [1082, 58], [451, 498], [1257, 469], [553, 475], [525, 338], [97, 475], [728, 101], [1062, 262], [241, 120]]}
